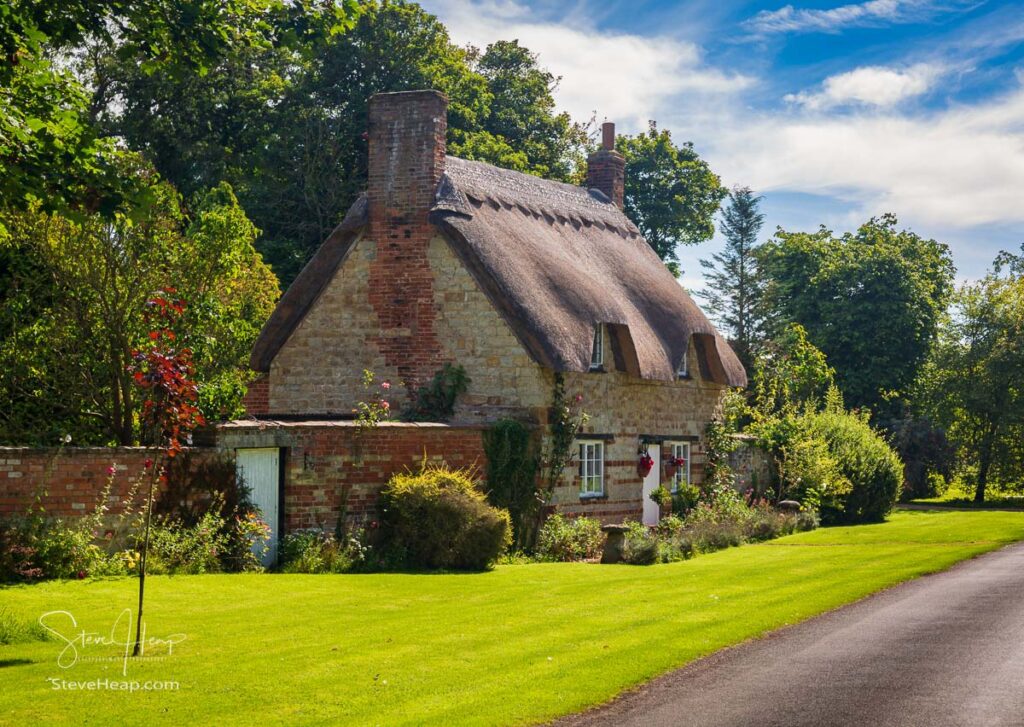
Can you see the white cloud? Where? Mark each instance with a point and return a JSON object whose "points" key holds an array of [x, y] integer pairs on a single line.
{"points": [[788, 19], [952, 173], [958, 167], [871, 86], [624, 78]]}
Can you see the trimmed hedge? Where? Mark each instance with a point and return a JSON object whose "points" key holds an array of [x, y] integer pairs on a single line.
{"points": [[865, 459], [437, 519]]}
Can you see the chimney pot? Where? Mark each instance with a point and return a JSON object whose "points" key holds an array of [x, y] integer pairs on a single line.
{"points": [[608, 135]]}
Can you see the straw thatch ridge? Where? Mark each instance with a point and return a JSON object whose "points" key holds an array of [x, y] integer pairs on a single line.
{"points": [[555, 260]]}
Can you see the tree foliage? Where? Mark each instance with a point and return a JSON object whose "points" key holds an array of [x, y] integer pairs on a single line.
{"points": [[870, 300], [50, 154], [974, 381], [734, 292], [285, 124], [75, 308], [671, 194]]}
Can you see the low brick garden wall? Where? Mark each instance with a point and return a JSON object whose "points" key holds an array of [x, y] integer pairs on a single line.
{"points": [[332, 467], [68, 481]]}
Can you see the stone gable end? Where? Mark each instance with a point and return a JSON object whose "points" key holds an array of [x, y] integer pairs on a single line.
{"points": [[319, 368]]}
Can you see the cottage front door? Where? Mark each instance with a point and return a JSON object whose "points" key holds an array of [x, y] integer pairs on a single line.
{"points": [[651, 482]]}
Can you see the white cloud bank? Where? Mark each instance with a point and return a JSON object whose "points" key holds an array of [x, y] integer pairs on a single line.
{"points": [[950, 169], [624, 78], [870, 86], [959, 168], [788, 19]]}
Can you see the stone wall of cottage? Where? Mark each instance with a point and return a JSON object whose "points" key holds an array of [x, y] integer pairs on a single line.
{"points": [[624, 410], [319, 369]]}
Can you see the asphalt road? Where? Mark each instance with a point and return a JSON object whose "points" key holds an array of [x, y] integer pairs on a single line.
{"points": [[943, 650]]}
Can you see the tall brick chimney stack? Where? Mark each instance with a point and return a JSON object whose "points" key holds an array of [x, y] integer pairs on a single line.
{"points": [[606, 168], [406, 138]]}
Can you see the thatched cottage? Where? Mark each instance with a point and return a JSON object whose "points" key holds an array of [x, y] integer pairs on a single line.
{"points": [[515, 278]]}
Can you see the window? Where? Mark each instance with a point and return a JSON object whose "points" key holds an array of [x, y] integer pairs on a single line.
{"points": [[680, 451], [591, 468], [597, 353], [684, 367]]}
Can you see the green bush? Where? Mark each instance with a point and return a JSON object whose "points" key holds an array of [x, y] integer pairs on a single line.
{"points": [[177, 549], [568, 539], [872, 468], [315, 551], [641, 545], [437, 518], [34, 547], [811, 474], [511, 474]]}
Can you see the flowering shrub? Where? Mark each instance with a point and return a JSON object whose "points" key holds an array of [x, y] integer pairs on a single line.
{"points": [[316, 551], [371, 413], [177, 549], [568, 539]]}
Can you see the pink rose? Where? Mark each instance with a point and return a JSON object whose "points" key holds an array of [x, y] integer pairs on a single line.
{"points": [[385, 406], [111, 470], [386, 385]]}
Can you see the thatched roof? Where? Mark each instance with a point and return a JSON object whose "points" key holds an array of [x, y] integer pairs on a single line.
{"points": [[555, 260]]}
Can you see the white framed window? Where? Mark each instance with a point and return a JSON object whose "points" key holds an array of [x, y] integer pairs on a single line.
{"points": [[591, 467], [680, 451], [597, 352], [683, 371]]}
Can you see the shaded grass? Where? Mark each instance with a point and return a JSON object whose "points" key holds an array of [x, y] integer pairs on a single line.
{"points": [[520, 644]]}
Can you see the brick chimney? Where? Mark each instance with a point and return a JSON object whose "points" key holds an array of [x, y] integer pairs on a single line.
{"points": [[606, 168], [406, 138]]}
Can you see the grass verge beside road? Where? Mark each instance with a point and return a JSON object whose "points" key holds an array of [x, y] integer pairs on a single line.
{"points": [[521, 644]]}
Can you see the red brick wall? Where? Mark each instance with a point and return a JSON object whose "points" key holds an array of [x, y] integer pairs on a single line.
{"points": [[71, 480], [257, 397], [330, 462]]}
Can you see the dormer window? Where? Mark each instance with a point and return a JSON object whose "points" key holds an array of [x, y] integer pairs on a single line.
{"points": [[597, 352], [683, 371]]}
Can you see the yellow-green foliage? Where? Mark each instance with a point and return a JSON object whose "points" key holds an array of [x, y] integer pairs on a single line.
{"points": [[438, 518]]}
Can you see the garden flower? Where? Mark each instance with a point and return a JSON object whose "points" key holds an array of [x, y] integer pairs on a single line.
{"points": [[385, 385], [111, 470]]}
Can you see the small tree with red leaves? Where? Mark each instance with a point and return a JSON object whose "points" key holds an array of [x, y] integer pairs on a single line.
{"points": [[169, 410]]}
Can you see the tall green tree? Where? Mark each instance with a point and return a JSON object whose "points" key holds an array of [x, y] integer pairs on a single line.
{"points": [[870, 300], [734, 291], [974, 381], [284, 124], [50, 153], [671, 194], [75, 309]]}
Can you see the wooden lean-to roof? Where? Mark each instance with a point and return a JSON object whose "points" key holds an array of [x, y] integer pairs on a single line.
{"points": [[555, 260]]}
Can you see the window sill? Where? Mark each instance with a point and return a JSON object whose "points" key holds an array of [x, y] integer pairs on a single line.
{"points": [[588, 496], [684, 377], [597, 370]]}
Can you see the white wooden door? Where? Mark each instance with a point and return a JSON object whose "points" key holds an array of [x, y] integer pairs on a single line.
{"points": [[259, 469], [651, 482]]}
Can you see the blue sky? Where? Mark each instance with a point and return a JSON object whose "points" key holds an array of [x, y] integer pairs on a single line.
{"points": [[834, 112]]}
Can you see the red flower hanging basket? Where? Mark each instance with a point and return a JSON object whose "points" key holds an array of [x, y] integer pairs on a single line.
{"points": [[644, 465]]}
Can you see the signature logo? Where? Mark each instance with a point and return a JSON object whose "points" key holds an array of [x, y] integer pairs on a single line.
{"points": [[76, 640]]}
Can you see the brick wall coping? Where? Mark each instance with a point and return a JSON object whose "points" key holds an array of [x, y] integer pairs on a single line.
{"points": [[72, 450], [342, 424]]}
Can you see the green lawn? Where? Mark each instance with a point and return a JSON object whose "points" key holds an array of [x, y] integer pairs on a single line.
{"points": [[520, 644]]}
